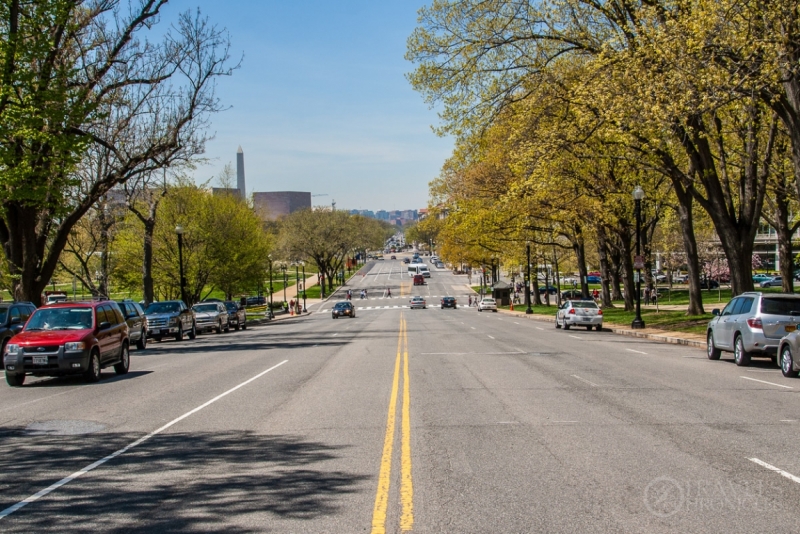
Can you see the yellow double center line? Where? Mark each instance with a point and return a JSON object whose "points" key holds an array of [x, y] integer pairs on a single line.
{"points": [[384, 477]]}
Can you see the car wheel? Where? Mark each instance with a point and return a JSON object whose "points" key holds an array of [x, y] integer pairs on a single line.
{"points": [[589, 328], [193, 331], [92, 374], [236, 327], [558, 325], [713, 352], [495, 311], [218, 328], [142, 343], [157, 338], [15, 381], [124, 361], [179, 335], [227, 328], [598, 327], [244, 324], [740, 356], [566, 325], [787, 363], [479, 309]]}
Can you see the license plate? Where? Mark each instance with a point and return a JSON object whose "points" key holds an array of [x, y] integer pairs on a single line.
{"points": [[790, 327], [40, 360]]}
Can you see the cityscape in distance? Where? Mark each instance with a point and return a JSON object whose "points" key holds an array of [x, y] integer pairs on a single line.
{"points": [[398, 217]]}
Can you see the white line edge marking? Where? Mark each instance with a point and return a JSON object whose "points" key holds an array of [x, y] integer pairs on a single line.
{"points": [[566, 421], [773, 468], [36, 496], [516, 322], [490, 337], [584, 380], [788, 420], [575, 337], [763, 382], [537, 328], [636, 351]]}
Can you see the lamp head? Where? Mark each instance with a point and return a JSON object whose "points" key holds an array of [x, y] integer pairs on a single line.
{"points": [[638, 193], [179, 230]]}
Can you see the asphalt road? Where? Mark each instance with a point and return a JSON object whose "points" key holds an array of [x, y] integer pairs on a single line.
{"points": [[405, 420]]}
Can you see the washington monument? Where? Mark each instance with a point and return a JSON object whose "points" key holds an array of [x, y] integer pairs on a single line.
{"points": [[240, 173]]}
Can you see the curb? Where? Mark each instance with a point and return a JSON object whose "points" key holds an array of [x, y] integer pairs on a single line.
{"points": [[621, 330]]}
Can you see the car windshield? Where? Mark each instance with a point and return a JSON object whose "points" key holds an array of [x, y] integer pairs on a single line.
{"points": [[163, 307], [202, 308], [341, 305], [584, 304], [60, 319], [489, 301], [773, 306]]}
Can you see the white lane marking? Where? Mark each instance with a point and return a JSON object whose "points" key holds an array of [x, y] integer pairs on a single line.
{"points": [[490, 337], [566, 421], [763, 382], [466, 353], [788, 420], [516, 322], [36, 496], [575, 337], [537, 328], [773, 468], [472, 327], [584, 380], [336, 334], [636, 351]]}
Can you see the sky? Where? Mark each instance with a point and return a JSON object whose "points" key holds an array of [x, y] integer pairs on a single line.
{"points": [[321, 102]]}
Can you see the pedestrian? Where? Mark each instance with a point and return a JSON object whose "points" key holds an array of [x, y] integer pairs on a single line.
{"points": [[349, 296], [647, 295], [365, 293], [389, 292], [470, 300], [291, 304], [595, 294]]}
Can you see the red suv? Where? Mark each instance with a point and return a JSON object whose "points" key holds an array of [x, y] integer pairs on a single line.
{"points": [[69, 338]]}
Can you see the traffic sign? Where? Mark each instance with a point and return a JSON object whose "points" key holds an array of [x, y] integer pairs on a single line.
{"points": [[638, 262]]}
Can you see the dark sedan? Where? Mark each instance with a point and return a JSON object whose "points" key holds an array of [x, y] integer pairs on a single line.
{"points": [[449, 302], [343, 309]]}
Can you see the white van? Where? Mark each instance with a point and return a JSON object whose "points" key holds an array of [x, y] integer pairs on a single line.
{"points": [[418, 268]]}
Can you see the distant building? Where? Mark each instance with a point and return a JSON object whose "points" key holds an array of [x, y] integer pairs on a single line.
{"points": [[273, 205]]}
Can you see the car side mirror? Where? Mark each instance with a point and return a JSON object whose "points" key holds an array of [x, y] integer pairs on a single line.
{"points": [[104, 325], [16, 320], [715, 312]]}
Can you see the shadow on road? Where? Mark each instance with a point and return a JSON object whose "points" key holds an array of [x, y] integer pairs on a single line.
{"points": [[170, 483]]}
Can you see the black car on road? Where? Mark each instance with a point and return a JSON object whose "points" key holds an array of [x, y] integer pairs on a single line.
{"points": [[13, 316], [133, 314], [344, 308], [237, 315], [449, 302]]}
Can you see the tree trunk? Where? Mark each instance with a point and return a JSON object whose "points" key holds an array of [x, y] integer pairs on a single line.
{"points": [[685, 217], [784, 230], [147, 261], [615, 255], [625, 239], [605, 269], [580, 258]]}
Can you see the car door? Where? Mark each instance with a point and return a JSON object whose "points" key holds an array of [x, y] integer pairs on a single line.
{"points": [[119, 330], [185, 317], [103, 331], [134, 320], [726, 323]]}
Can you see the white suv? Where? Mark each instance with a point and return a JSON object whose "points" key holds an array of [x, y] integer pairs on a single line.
{"points": [[487, 303]]}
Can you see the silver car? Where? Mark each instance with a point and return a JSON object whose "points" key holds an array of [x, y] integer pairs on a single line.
{"points": [[211, 316], [417, 302], [752, 324], [580, 313], [487, 303], [789, 351]]}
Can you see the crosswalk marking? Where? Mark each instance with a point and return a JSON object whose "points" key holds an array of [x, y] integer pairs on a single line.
{"points": [[360, 308]]}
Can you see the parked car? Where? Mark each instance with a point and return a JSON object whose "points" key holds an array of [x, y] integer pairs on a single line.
{"points": [[708, 284], [487, 303], [758, 278], [419, 280], [593, 279], [67, 339], [211, 316], [449, 302], [417, 302], [789, 352], [137, 322], [752, 324], [237, 315], [775, 281], [256, 301], [343, 308], [579, 313], [549, 289], [170, 318], [439, 265], [574, 294], [13, 316]]}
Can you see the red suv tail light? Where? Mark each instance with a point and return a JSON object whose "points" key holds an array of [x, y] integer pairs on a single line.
{"points": [[572, 311], [755, 323], [599, 312]]}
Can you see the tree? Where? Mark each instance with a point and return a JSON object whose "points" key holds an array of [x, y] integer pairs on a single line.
{"points": [[76, 79]]}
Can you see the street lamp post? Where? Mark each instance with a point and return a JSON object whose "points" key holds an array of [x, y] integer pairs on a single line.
{"points": [[638, 195], [297, 285], [283, 269], [179, 231], [269, 257], [528, 309], [304, 286]]}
